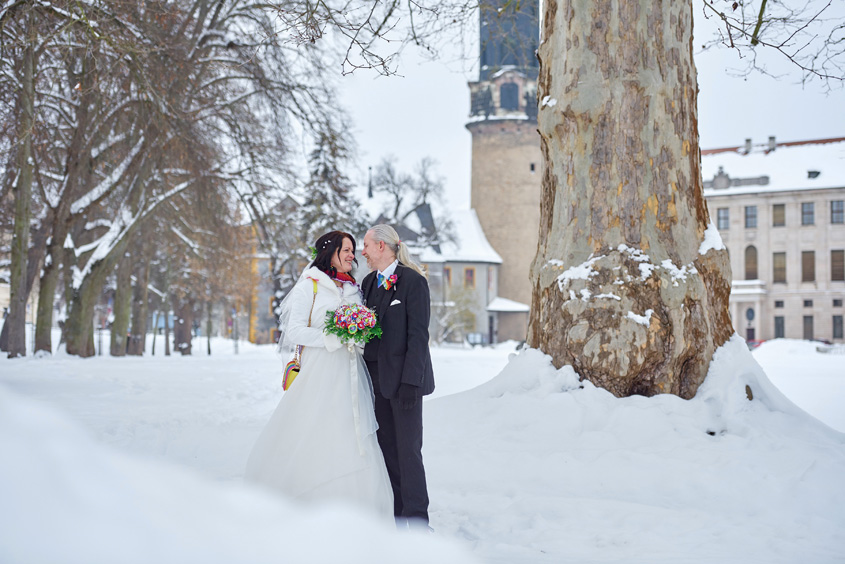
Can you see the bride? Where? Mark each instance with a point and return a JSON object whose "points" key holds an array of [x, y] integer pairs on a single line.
{"points": [[320, 444]]}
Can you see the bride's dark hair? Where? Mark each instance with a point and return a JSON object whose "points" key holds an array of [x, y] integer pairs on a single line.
{"points": [[328, 246]]}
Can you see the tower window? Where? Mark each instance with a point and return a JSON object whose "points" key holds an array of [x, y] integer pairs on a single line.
{"points": [[509, 96], [532, 167]]}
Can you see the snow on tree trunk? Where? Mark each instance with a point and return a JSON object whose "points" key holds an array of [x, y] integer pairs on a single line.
{"points": [[16, 320], [626, 286]]}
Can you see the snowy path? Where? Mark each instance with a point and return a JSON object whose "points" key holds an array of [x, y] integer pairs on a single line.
{"points": [[526, 467]]}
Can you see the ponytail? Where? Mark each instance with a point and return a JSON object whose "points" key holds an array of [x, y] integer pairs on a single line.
{"points": [[387, 235]]}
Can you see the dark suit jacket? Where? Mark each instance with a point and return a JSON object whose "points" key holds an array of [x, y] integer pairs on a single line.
{"points": [[402, 351]]}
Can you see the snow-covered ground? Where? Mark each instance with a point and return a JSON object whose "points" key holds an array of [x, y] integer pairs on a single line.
{"points": [[139, 460]]}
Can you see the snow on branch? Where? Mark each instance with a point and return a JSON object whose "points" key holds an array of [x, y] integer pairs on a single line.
{"points": [[109, 182], [194, 247]]}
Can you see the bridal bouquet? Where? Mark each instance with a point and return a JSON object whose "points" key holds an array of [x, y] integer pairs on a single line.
{"points": [[353, 323]]}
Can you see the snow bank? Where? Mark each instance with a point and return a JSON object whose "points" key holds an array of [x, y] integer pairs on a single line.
{"points": [[67, 499], [535, 466]]}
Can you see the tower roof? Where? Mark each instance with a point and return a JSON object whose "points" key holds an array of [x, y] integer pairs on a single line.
{"points": [[509, 36]]}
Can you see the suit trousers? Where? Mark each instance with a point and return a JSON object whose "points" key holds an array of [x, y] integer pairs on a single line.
{"points": [[400, 434]]}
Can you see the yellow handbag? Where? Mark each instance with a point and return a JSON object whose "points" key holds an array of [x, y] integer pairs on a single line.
{"points": [[292, 367]]}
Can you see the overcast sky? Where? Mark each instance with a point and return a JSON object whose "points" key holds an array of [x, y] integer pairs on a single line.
{"points": [[424, 111]]}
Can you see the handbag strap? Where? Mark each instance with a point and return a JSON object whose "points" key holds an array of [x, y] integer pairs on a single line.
{"points": [[298, 354]]}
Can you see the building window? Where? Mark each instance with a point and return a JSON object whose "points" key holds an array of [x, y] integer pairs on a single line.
{"points": [[723, 219], [808, 266], [808, 213], [509, 96], [837, 303], [778, 303], [447, 275], [469, 277], [837, 326], [808, 303], [751, 262], [778, 215], [837, 265], [750, 217], [808, 327], [779, 327], [532, 167], [779, 267], [837, 211]]}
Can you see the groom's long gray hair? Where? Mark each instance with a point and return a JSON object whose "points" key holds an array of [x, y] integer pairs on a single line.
{"points": [[387, 235]]}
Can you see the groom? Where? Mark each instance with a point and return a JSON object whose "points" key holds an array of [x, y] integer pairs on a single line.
{"points": [[400, 367]]}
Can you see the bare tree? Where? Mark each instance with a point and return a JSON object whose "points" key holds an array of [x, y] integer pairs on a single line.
{"points": [[809, 34], [455, 317]]}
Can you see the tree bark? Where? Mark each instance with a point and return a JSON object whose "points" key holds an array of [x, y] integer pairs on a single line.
{"points": [[79, 328], [208, 307], [78, 172], [140, 307], [16, 320], [122, 307], [623, 289], [47, 296], [183, 321], [166, 305], [155, 332], [33, 261]]}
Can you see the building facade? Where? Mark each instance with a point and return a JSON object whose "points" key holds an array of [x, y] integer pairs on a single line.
{"points": [[780, 209]]}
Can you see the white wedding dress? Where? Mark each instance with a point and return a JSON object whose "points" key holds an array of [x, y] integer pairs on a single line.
{"points": [[320, 443]]}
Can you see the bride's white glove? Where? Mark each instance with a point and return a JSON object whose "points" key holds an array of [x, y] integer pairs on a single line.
{"points": [[332, 342]]}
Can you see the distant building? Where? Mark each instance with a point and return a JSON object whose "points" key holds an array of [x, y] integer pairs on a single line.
{"points": [[469, 267], [506, 160], [780, 209]]}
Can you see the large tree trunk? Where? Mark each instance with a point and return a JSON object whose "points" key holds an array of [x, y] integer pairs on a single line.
{"points": [[183, 321], [47, 296], [122, 307], [623, 289], [33, 264], [78, 172], [166, 305], [16, 320], [208, 312], [140, 307], [79, 328]]}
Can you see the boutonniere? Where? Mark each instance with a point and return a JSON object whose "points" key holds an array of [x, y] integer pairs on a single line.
{"points": [[390, 282]]}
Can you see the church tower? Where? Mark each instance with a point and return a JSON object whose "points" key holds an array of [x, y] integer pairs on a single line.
{"points": [[506, 159]]}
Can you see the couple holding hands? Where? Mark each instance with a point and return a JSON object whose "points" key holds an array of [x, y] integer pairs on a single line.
{"points": [[349, 428]]}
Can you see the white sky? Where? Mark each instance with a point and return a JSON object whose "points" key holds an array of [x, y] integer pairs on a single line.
{"points": [[423, 112]]}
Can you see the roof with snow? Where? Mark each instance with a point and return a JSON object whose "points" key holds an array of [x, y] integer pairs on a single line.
{"points": [[470, 243], [504, 305], [774, 167]]}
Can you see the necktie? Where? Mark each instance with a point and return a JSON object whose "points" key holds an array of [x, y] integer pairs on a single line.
{"points": [[380, 280]]}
